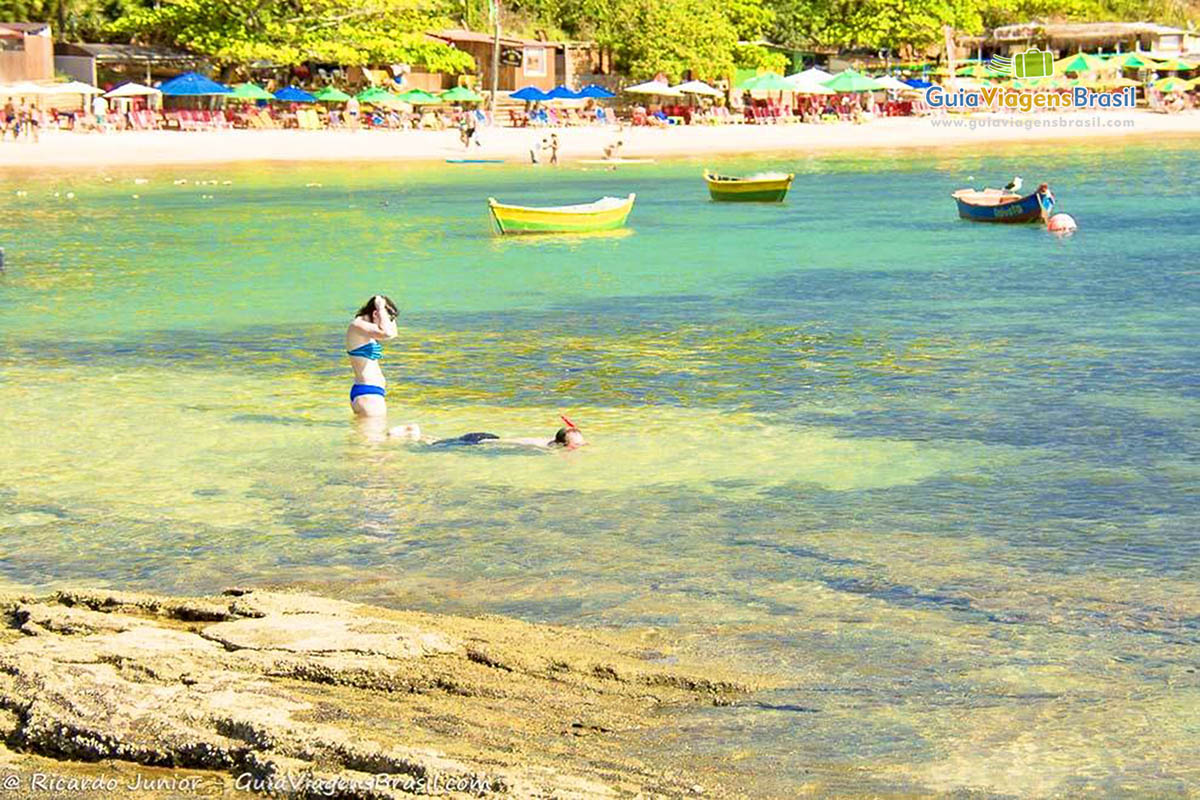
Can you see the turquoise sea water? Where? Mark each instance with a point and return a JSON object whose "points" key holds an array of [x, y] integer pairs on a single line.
{"points": [[938, 479]]}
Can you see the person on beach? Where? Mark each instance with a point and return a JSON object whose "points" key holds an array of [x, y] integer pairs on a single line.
{"points": [[568, 437], [9, 121], [375, 321], [554, 149]]}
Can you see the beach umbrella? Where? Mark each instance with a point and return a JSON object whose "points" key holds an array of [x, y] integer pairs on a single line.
{"points": [[74, 87], [291, 94], [373, 94], [530, 94], [974, 71], [851, 81], [330, 94], [653, 87], [595, 92], [1175, 65], [249, 91], [888, 82], [132, 90], [1172, 85], [698, 87], [811, 84], [418, 97], [768, 82], [23, 89], [1112, 83], [918, 83], [1080, 62], [562, 93], [192, 84], [810, 74], [1132, 61], [461, 94]]}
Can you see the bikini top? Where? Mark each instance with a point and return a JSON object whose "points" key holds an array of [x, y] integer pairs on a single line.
{"points": [[372, 350]]}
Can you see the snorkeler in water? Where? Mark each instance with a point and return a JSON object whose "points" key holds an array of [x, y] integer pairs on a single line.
{"points": [[568, 438]]}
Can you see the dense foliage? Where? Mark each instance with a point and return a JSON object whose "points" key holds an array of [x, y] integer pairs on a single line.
{"points": [[916, 24], [704, 38]]}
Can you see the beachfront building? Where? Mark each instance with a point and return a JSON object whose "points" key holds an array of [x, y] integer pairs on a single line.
{"points": [[113, 64], [26, 52], [523, 62], [1064, 38]]}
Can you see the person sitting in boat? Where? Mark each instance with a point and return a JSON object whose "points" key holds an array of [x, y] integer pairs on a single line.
{"points": [[375, 321], [568, 437]]}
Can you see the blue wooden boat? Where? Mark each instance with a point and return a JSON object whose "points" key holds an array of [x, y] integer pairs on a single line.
{"points": [[997, 205]]}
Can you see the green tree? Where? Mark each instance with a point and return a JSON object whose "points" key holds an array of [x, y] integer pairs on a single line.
{"points": [[289, 32], [69, 20], [648, 37]]}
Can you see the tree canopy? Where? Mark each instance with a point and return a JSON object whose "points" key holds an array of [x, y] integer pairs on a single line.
{"points": [[706, 38], [289, 32]]}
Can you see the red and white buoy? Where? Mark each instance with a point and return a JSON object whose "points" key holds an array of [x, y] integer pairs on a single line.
{"points": [[1061, 223]]}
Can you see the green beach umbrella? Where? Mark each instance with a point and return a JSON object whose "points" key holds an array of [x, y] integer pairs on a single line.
{"points": [[249, 91], [1080, 62], [418, 97], [974, 71], [331, 94], [1175, 65], [461, 94], [1133, 61], [768, 82], [851, 81], [1172, 85], [372, 95]]}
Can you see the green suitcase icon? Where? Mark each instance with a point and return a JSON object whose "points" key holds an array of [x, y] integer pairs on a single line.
{"points": [[1033, 63]]}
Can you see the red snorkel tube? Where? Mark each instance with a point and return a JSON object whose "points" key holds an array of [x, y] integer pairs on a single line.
{"points": [[570, 424]]}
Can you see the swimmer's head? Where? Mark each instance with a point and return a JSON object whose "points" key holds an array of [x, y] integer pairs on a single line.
{"points": [[569, 438], [368, 309]]}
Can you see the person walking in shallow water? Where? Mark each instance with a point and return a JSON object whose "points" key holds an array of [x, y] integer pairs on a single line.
{"points": [[372, 323]]}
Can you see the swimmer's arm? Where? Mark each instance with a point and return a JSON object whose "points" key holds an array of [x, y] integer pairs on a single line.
{"points": [[383, 320], [373, 331], [523, 442]]}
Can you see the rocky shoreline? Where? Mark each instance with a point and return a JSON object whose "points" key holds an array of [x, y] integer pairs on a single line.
{"points": [[267, 693]]}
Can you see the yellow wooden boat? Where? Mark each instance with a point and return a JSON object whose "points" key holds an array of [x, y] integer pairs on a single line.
{"points": [[605, 214], [766, 187]]}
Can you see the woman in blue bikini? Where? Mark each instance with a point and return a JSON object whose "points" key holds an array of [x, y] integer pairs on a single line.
{"points": [[376, 320]]}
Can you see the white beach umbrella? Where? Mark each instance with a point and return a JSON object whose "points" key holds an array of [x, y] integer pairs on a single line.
{"points": [[808, 85], [810, 74], [74, 87], [653, 87], [697, 87], [23, 89], [132, 90], [888, 82]]}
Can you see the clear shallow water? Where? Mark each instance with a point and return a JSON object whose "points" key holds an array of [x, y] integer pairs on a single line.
{"points": [[939, 478]]}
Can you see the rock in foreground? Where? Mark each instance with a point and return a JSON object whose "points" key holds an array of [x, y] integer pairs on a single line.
{"points": [[301, 696]]}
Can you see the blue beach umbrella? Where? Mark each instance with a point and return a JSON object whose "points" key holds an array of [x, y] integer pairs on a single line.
{"points": [[918, 83], [562, 93], [192, 84], [293, 95], [530, 94], [595, 92]]}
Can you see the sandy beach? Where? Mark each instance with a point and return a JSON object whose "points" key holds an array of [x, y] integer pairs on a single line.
{"points": [[148, 148]]}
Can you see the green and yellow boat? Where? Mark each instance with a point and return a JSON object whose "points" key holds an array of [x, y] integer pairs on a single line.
{"points": [[765, 187], [605, 214]]}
